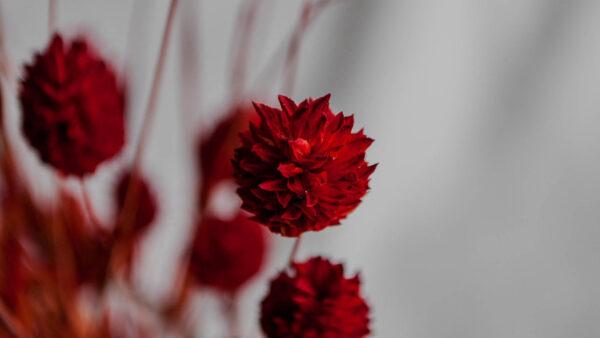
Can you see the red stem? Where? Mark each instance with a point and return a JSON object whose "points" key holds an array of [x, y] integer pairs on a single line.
{"points": [[156, 81], [291, 59], [231, 314], [245, 27], [294, 250], [88, 204], [126, 216], [11, 323], [309, 12], [51, 16]]}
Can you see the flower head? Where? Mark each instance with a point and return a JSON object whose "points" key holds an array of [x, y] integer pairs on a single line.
{"points": [[73, 108], [143, 206], [301, 168], [315, 300], [216, 149], [226, 254]]}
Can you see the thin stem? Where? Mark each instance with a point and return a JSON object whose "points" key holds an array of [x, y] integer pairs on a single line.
{"points": [[245, 27], [291, 60], [88, 203], [126, 216], [11, 323], [290, 50], [231, 315], [189, 65], [51, 16], [156, 81], [294, 250], [310, 10]]}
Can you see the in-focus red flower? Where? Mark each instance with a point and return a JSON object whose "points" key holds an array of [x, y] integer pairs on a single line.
{"points": [[226, 254], [73, 107], [315, 300], [301, 168], [141, 211]]}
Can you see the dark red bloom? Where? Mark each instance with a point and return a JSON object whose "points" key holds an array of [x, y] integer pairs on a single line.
{"points": [[301, 168], [216, 149], [226, 254], [141, 210], [73, 107], [315, 300]]}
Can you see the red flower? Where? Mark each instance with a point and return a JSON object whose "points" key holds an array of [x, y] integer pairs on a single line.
{"points": [[73, 108], [226, 254], [301, 168], [315, 301], [215, 150], [142, 210]]}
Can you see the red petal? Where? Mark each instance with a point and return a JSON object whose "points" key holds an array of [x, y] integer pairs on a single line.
{"points": [[295, 185], [265, 153], [300, 147], [292, 213], [310, 200], [284, 198], [287, 104], [274, 185], [289, 169]]}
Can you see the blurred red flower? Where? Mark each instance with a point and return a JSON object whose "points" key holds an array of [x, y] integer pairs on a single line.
{"points": [[216, 150], [301, 168], [226, 254], [142, 210], [73, 107], [315, 300]]}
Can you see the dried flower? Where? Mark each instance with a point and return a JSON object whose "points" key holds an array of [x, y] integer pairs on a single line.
{"points": [[215, 150], [226, 254], [142, 210], [301, 168], [73, 108], [315, 300]]}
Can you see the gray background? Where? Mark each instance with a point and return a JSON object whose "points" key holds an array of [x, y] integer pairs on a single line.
{"points": [[483, 216]]}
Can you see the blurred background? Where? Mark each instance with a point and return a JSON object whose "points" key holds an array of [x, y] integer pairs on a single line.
{"points": [[482, 219]]}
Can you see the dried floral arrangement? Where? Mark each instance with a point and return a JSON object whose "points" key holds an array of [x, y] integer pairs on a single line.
{"points": [[298, 167]]}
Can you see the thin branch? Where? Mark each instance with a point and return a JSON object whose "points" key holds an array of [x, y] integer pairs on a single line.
{"points": [[244, 28], [294, 251], [126, 216], [150, 111], [88, 204], [51, 16]]}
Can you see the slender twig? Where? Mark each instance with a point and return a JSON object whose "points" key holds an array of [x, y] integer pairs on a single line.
{"points": [[51, 16], [294, 250], [88, 204], [289, 47], [291, 59], [128, 210], [231, 314], [244, 29], [11, 323], [150, 111], [190, 95]]}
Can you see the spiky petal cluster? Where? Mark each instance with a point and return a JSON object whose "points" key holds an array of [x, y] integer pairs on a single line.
{"points": [[73, 107], [315, 300], [301, 168], [227, 253]]}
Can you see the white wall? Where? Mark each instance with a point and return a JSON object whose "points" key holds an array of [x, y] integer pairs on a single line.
{"points": [[483, 216]]}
